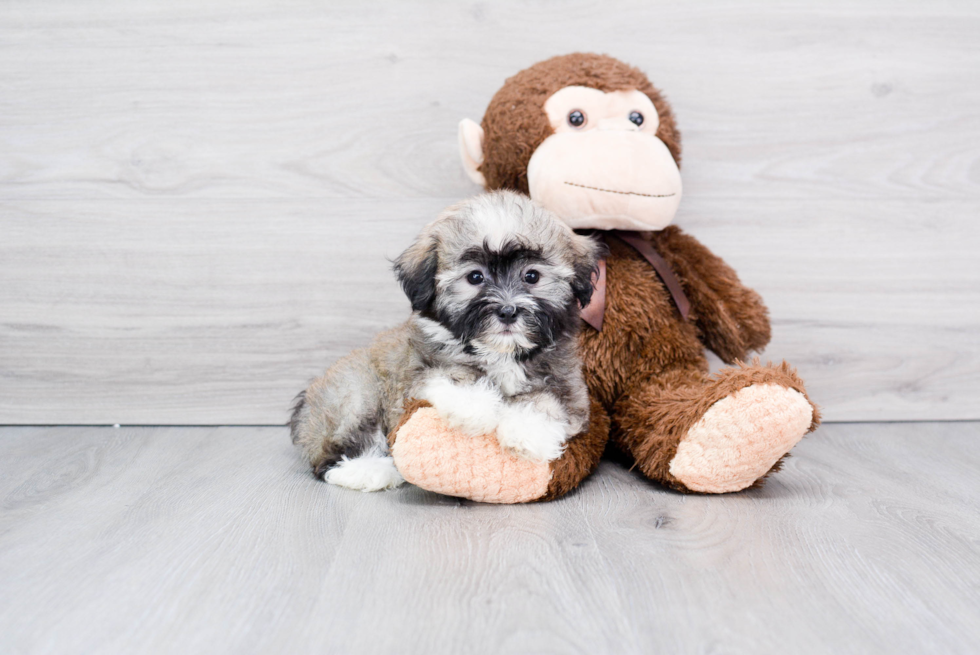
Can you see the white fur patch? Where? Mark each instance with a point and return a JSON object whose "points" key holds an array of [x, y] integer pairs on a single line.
{"points": [[531, 434], [497, 224], [509, 374], [369, 472], [472, 408]]}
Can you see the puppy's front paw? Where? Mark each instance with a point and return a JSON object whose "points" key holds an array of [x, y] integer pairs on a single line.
{"points": [[530, 434], [470, 408]]}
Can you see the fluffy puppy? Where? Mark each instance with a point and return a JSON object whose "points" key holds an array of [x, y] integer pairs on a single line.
{"points": [[496, 285]]}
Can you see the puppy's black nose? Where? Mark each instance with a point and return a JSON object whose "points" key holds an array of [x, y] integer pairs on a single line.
{"points": [[507, 314]]}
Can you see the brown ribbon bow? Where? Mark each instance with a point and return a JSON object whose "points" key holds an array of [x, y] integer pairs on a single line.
{"points": [[594, 311]]}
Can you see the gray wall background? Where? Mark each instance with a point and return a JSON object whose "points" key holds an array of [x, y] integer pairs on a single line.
{"points": [[198, 200]]}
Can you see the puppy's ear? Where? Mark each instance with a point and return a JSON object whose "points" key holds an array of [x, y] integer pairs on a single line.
{"points": [[416, 271], [588, 251]]}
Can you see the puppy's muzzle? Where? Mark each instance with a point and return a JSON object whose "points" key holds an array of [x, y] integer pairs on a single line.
{"points": [[507, 314]]}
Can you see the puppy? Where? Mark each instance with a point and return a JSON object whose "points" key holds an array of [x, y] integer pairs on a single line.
{"points": [[496, 285]]}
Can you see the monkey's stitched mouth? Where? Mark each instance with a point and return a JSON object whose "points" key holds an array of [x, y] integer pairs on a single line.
{"points": [[622, 193]]}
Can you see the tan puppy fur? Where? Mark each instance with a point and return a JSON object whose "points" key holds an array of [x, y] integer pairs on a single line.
{"points": [[496, 285]]}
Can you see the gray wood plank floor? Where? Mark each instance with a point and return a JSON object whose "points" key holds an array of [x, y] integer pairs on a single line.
{"points": [[194, 540]]}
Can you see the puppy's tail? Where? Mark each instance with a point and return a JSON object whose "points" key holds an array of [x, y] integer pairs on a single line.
{"points": [[299, 404], [338, 414], [310, 433], [320, 460]]}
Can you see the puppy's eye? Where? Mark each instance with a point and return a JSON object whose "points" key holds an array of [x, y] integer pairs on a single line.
{"points": [[531, 277], [475, 277], [636, 118], [576, 118]]}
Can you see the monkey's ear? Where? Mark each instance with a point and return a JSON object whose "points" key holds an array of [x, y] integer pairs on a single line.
{"points": [[588, 251], [416, 271], [471, 149]]}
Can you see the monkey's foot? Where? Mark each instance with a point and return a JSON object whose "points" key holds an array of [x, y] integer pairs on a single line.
{"points": [[433, 456], [740, 438]]}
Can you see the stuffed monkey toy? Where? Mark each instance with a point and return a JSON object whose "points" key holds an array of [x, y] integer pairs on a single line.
{"points": [[591, 139]]}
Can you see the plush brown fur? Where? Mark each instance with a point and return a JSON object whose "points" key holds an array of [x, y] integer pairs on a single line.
{"points": [[515, 123], [646, 370], [653, 418], [647, 366]]}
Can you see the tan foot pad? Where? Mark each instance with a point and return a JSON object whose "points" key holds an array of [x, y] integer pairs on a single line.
{"points": [[740, 437], [432, 456]]}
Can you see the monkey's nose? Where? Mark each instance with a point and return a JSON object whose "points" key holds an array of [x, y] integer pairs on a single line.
{"points": [[507, 314]]}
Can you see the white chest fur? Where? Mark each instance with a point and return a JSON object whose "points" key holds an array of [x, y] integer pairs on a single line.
{"points": [[507, 373]]}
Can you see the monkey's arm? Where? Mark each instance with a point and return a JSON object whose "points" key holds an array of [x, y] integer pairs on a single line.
{"points": [[731, 317]]}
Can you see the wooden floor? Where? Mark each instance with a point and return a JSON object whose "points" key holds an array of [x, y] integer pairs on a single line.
{"points": [[215, 540]]}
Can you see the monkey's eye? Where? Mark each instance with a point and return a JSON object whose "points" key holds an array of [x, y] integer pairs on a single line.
{"points": [[532, 277], [636, 118], [475, 277], [576, 118]]}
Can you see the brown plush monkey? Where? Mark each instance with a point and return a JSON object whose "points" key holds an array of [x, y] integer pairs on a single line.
{"points": [[590, 138]]}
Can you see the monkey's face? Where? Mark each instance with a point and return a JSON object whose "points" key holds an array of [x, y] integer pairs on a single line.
{"points": [[604, 166]]}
